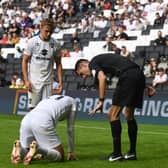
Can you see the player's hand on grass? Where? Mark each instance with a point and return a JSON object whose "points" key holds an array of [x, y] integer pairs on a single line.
{"points": [[71, 156], [99, 106]]}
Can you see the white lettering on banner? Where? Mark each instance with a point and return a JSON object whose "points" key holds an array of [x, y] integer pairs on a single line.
{"points": [[164, 109], [89, 103], [22, 103], [142, 113], [79, 104], [150, 107], [153, 108]]}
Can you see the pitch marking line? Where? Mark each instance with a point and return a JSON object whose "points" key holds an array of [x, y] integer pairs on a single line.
{"points": [[141, 132]]}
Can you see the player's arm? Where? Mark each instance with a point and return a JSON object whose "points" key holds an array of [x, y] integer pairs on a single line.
{"points": [[70, 134], [25, 70], [102, 85], [59, 69]]}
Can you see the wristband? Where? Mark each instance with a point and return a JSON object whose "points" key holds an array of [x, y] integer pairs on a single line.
{"points": [[101, 99]]}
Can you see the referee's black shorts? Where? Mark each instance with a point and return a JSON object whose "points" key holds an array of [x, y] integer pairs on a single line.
{"points": [[130, 89]]}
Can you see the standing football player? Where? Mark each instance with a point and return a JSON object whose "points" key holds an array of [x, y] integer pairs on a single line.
{"points": [[128, 94], [37, 131], [41, 53]]}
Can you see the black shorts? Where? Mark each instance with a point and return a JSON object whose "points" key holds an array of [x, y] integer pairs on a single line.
{"points": [[130, 89]]}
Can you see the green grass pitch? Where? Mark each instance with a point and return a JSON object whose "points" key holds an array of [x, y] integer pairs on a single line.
{"points": [[92, 141]]}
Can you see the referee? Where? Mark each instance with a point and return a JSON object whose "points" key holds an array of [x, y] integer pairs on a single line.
{"points": [[128, 94]]}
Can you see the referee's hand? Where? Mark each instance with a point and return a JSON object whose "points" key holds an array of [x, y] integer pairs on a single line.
{"points": [[99, 106]]}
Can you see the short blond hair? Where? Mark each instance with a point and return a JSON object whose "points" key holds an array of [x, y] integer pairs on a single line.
{"points": [[48, 22]]}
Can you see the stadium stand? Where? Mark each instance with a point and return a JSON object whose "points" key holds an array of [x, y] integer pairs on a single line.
{"points": [[140, 42]]}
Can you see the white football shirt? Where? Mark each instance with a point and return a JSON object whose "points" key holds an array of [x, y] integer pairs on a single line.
{"points": [[42, 120], [42, 55]]}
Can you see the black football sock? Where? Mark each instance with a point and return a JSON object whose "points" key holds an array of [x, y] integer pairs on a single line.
{"points": [[116, 134], [132, 133]]}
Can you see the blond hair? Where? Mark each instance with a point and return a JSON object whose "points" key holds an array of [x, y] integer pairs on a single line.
{"points": [[48, 22]]}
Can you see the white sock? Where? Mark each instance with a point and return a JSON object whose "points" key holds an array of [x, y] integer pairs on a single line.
{"points": [[54, 155], [51, 154]]}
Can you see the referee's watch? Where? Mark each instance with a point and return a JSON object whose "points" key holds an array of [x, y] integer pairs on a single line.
{"points": [[101, 100]]}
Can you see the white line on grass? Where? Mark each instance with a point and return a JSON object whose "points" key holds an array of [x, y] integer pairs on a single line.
{"points": [[141, 132]]}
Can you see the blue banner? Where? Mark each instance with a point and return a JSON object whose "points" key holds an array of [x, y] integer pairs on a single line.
{"points": [[154, 111], [7, 98]]}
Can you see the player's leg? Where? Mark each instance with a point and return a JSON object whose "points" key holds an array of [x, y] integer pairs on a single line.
{"points": [[26, 136], [46, 91], [34, 96], [49, 144], [20, 147], [30, 154], [116, 132], [16, 152], [54, 154], [132, 132], [116, 128]]}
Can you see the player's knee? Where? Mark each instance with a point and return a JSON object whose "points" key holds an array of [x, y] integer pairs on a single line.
{"points": [[128, 116], [129, 113], [114, 113], [113, 117]]}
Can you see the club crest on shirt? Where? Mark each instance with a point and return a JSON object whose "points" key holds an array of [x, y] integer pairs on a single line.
{"points": [[52, 45], [37, 44]]}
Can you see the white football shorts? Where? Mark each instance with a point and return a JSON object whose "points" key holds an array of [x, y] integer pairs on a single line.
{"points": [[38, 93], [36, 127]]}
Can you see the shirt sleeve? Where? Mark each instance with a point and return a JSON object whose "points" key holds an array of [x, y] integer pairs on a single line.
{"points": [[29, 48], [70, 128]]}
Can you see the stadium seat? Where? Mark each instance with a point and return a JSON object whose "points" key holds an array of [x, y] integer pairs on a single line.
{"points": [[68, 72], [84, 42], [10, 58], [152, 54], [68, 45], [160, 50], [89, 35], [140, 61], [166, 52], [165, 87], [159, 88], [132, 37], [67, 37], [70, 78], [65, 84], [140, 51], [72, 86], [89, 83], [149, 81]]}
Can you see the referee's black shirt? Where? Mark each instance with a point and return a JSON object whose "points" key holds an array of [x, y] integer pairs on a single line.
{"points": [[111, 63]]}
